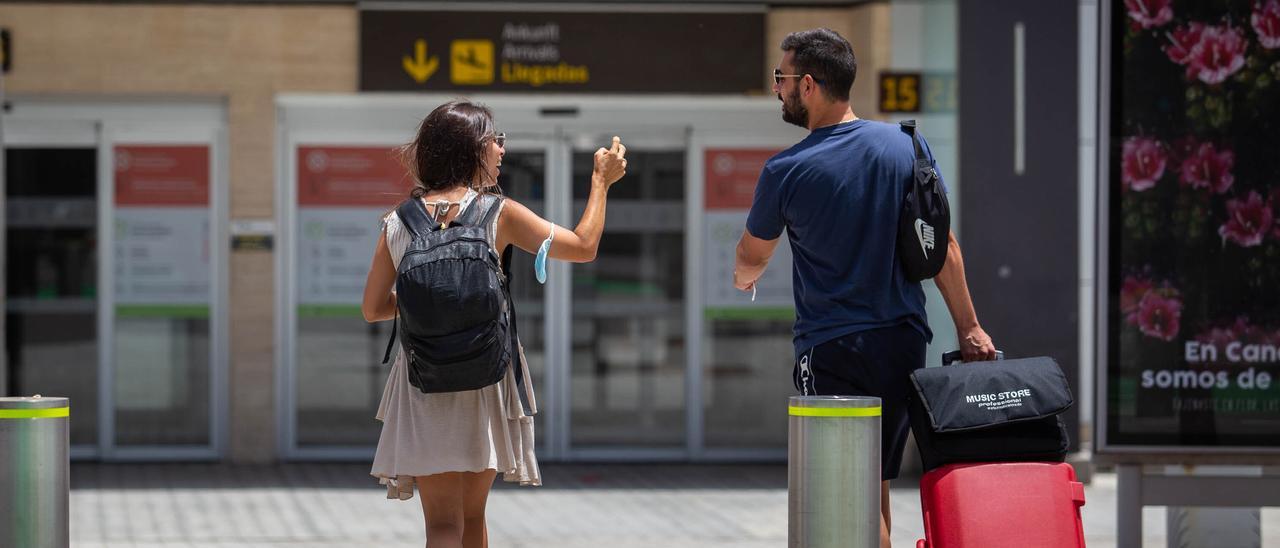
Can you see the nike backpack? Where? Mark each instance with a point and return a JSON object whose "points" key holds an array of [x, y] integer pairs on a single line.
{"points": [[924, 226], [453, 308]]}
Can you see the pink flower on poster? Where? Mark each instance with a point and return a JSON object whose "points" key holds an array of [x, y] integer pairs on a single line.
{"points": [[1142, 163], [1266, 22], [1159, 316], [1132, 291], [1208, 167], [1219, 54], [1149, 13], [1182, 44], [1248, 221]]}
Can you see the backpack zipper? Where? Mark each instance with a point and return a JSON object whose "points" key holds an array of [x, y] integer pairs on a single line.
{"points": [[462, 239]]}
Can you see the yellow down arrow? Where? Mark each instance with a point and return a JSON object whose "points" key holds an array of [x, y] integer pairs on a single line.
{"points": [[420, 67]]}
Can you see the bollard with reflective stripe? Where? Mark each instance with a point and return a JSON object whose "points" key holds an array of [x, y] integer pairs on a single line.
{"points": [[833, 472], [34, 472]]}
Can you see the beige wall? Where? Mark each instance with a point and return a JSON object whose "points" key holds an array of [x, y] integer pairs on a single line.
{"points": [[867, 29], [244, 54]]}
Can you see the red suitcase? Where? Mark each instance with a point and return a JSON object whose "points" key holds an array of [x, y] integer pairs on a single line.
{"points": [[1005, 504]]}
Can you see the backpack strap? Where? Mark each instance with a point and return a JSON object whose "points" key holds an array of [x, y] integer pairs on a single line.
{"points": [[413, 215], [909, 126], [924, 171], [492, 213], [386, 357], [481, 210]]}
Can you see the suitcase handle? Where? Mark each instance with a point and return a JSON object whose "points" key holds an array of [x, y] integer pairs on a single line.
{"points": [[955, 356]]}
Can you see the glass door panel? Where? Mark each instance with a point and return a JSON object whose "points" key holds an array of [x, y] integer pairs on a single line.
{"points": [[746, 338], [747, 378], [523, 178], [342, 194], [162, 265], [627, 376], [51, 278]]}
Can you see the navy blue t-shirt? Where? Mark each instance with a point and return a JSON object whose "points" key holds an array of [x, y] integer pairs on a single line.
{"points": [[838, 193]]}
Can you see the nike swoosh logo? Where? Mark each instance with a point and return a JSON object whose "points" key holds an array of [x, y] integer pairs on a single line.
{"points": [[920, 224]]}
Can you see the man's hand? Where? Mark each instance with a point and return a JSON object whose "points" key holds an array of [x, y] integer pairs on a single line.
{"points": [[976, 345], [742, 282]]}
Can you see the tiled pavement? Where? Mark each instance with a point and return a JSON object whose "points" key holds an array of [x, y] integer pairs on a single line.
{"points": [[625, 506]]}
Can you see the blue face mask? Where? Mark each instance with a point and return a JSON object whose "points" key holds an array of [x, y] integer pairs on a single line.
{"points": [[540, 262]]}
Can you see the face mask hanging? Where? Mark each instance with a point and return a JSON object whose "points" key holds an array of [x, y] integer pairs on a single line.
{"points": [[540, 262]]}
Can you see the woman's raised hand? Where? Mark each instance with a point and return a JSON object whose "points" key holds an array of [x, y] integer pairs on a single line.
{"points": [[611, 163]]}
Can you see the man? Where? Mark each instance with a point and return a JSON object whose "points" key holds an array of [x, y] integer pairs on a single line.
{"points": [[860, 326]]}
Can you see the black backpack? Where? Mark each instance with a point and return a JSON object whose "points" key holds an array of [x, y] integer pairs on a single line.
{"points": [[924, 226], [459, 330]]}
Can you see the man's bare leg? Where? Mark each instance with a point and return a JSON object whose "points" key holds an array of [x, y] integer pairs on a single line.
{"points": [[886, 523]]}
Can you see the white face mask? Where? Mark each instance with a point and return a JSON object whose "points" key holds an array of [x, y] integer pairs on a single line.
{"points": [[540, 262]]}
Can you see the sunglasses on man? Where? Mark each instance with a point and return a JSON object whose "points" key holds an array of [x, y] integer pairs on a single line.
{"points": [[778, 76]]}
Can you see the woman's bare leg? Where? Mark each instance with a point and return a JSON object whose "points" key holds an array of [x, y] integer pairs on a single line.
{"points": [[442, 508], [476, 485]]}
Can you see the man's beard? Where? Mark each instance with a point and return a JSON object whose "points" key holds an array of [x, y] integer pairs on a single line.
{"points": [[793, 111]]}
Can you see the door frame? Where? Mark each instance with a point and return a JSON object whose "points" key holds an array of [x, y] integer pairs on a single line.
{"points": [[147, 133], [100, 124], [638, 134], [39, 132]]}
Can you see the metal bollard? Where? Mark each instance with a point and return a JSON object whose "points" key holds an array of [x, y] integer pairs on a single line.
{"points": [[34, 472], [833, 472]]}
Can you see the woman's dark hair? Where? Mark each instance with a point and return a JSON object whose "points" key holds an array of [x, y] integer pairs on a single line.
{"points": [[449, 148], [824, 55]]}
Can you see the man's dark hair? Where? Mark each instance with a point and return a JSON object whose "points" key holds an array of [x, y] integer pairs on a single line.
{"points": [[826, 56]]}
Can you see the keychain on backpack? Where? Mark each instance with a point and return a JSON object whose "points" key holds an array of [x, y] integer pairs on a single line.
{"points": [[540, 262]]}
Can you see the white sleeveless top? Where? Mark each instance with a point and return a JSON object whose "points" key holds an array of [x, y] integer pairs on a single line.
{"points": [[469, 431]]}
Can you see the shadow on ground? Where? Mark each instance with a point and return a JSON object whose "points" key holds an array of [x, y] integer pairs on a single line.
{"points": [[89, 476]]}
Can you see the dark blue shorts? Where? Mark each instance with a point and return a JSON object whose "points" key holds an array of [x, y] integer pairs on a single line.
{"points": [[876, 362]]}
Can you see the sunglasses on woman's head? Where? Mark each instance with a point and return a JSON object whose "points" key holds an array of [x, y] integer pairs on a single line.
{"points": [[500, 139]]}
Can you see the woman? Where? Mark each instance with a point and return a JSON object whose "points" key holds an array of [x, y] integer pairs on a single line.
{"points": [[451, 445]]}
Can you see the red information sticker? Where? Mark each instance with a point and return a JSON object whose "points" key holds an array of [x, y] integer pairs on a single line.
{"points": [[340, 176], [156, 175], [731, 175]]}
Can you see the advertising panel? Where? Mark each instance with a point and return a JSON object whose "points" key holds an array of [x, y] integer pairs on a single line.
{"points": [[1192, 347]]}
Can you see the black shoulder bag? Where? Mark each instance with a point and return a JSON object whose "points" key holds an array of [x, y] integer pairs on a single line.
{"points": [[924, 226]]}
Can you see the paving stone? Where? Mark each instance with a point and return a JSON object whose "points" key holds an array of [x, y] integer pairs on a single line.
{"points": [[580, 505]]}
